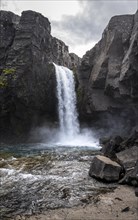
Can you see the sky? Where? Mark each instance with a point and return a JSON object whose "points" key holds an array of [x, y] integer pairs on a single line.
{"points": [[78, 23]]}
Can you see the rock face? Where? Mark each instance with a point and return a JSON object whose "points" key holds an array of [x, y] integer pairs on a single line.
{"points": [[107, 78], [129, 158], [108, 74], [27, 75], [124, 151], [105, 169]]}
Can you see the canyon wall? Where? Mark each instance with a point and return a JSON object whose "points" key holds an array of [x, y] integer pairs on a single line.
{"points": [[108, 74], [106, 77]]}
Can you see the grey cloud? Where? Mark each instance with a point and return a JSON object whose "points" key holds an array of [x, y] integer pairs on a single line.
{"points": [[2, 4], [89, 23]]}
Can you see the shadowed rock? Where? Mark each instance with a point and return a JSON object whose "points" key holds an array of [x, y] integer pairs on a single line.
{"points": [[131, 176], [108, 74], [128, 157], [124, 152], [27, 75]]}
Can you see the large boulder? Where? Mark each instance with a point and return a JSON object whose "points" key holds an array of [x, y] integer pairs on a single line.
{"points": [[108, 75], [105, 169], [125, 153]]}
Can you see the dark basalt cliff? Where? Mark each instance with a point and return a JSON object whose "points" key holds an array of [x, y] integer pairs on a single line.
{"points": [[27, 75], [108, 73]]}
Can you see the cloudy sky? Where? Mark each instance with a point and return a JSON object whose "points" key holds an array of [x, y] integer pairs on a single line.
{"points": [[79, 23]]}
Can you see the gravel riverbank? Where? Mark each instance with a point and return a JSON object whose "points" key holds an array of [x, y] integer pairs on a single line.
{"points": [[121, 204]]}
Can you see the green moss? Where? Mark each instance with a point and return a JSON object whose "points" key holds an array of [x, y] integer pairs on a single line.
{"points": [[80, 93], [3, 81], [26, 163], [9, 71], [74, 70], [5, 155], [7, 75]]}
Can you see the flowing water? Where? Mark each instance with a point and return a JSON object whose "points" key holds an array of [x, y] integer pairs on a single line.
{"points": [[37, 177], [68, 117], [70, 133], [40, 176]]}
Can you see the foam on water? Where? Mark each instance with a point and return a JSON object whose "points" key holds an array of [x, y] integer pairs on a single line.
{"points": [[16, 175]]}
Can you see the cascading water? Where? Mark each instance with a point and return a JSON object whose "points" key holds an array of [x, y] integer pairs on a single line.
{"points": [[68, 117], [70, 133]]}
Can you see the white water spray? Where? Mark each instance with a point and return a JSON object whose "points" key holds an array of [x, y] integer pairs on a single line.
{"points": [[70, 134]]}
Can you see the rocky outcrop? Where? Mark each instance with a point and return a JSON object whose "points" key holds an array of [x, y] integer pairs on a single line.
{"points": [[108, 73], [105, 169], [129, 159], [27, 75], [124, 151]]}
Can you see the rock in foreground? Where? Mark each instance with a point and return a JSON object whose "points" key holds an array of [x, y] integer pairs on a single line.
{"points": [[125, 152], [105, 169]]}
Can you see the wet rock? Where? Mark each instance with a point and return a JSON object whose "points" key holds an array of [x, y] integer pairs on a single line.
{"points": [[104, 140], [131, 176], [128, 157], [109, 149], [111, 146], [118, 140], [131, 140], [105, 169]]}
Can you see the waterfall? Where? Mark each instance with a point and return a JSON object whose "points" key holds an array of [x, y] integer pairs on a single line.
{"points": [[70, 133], [68, 117]]}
